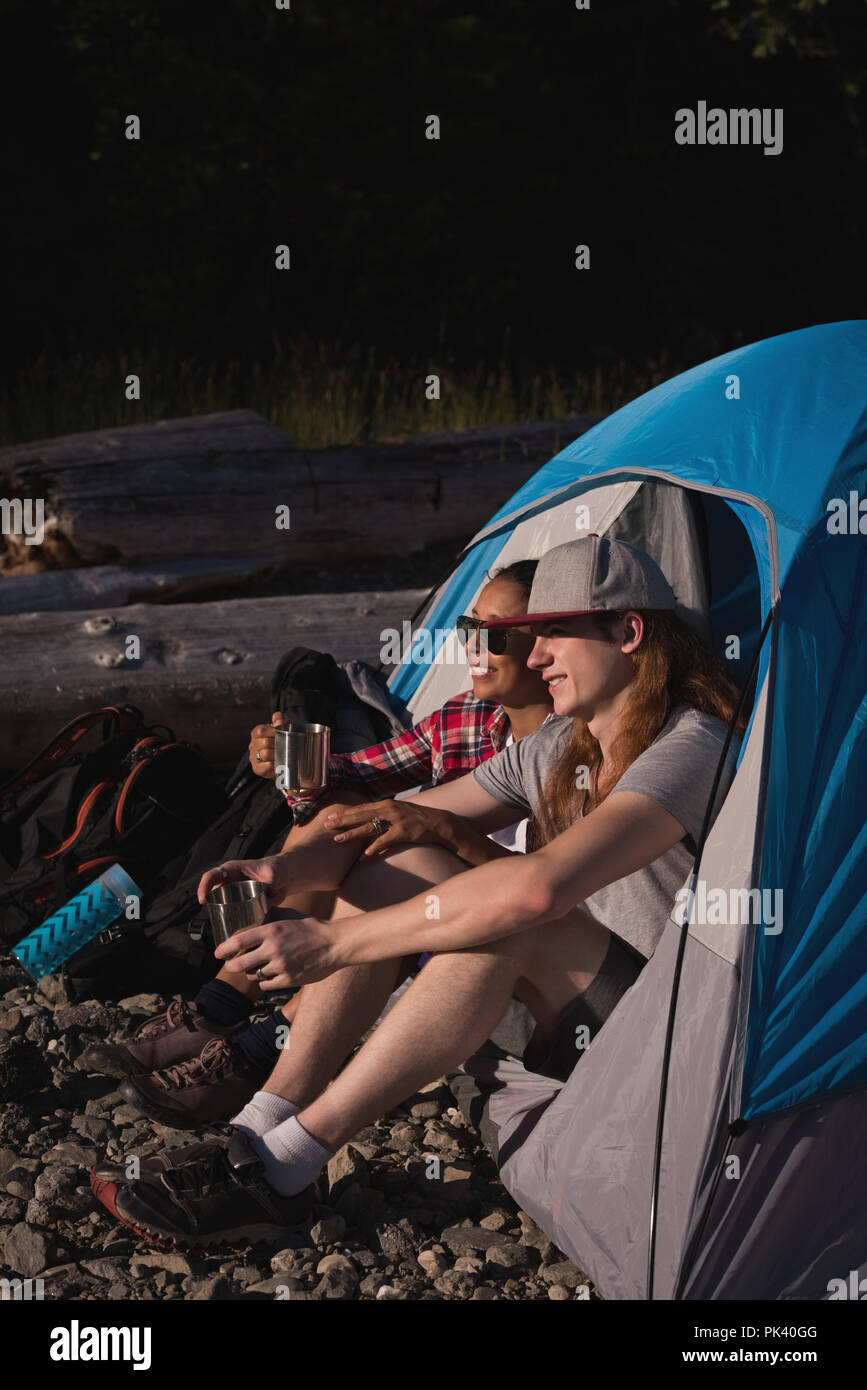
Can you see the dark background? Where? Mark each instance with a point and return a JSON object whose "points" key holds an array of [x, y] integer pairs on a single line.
{"points": [[307, 127]]}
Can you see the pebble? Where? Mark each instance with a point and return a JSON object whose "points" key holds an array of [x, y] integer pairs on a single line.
{"points": [[563, 1273], [433, 1263], [386, 1230], [328, 1230], [25, 1250]]}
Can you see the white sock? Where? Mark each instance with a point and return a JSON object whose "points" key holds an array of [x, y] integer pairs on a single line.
{"points": [[292, 1157], [262, 1112]]}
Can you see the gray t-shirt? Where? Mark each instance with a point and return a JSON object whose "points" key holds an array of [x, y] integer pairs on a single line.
{"points": [[677, 771]]}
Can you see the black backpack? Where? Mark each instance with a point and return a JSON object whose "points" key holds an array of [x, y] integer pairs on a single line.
{"points": [[170, 949], [134, 799]]}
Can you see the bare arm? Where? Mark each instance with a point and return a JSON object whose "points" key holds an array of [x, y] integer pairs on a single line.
{"points": [[626, 833], [484, 904]]}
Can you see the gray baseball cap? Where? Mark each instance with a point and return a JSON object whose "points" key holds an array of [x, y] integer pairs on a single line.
{"points": [[592, 575]]}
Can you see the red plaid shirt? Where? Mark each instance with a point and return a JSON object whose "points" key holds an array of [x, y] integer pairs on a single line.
{"points": [[448, 744]]}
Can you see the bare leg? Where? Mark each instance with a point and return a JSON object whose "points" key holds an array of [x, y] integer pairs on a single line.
{"points": [[334, 1013], [448, 1012], [310, 904]]}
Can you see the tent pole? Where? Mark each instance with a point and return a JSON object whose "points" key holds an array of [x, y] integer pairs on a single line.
{"points": [[678, 965]]}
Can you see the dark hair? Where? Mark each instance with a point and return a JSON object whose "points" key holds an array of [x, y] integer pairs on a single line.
{"points": [[519, 572], [673, 666]]}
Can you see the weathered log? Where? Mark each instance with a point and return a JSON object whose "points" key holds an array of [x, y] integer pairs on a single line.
{"points": [[204, 669], [213, 486], [112, 586]]}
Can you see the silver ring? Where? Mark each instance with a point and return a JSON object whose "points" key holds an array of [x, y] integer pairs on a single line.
{"points": [[378, 825], [258, 756], [259, 974]]}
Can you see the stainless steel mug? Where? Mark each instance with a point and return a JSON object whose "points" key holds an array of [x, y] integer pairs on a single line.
{"points": [[233, 906], [301, 758]]}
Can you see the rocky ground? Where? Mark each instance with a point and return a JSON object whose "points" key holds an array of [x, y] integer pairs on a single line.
{"points": [[393, 1222]]}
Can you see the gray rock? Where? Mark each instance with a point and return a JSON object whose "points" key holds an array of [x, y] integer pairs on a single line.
{"points": [[287, 1261], [279, 1284], [11, 1210], [558, 1292], [370, 1285], [171, 1260], [40, 1213], [52, 988], [484, 1292], [74, 1155], [92, 1127], [348, 1166], [202, 1290], [337, 1283], [496, 1221], [506, 1258], [114, 1267], [455, 1284], [388, 1293], [337, 1262], [146, 1004], [8, 1160], [118, 1290], [424, 1110], [531, 1234], [470, 1264], [399, 1241], [327, 1230], [89, 1014], [11, 1021], [433, 1263], [563, 1273], [25, 1250], [462, 1239]]}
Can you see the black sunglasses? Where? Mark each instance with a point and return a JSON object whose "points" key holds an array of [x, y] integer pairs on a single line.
{"points": [[494, 639]]}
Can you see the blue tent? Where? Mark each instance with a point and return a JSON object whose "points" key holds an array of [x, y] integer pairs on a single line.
{"points": [[743, 476]]}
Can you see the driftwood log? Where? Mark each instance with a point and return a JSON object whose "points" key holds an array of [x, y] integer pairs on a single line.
{"points": [[206, 492], [204, 669]]}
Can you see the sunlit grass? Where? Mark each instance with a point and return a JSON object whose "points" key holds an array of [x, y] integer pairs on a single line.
{"points": [[321, 394]]}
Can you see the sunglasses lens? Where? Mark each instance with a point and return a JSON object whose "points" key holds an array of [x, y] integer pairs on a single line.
{"points": [[497, 638]]}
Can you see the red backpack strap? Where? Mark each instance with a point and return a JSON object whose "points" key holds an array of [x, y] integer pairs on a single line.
{"points": [[112, 717]]}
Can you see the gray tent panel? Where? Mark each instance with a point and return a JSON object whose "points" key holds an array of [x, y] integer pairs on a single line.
{"points": [[795, 1219]]}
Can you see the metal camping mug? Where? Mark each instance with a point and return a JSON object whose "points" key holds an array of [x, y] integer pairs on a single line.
{"points": [[301, 758], [233, 906]]}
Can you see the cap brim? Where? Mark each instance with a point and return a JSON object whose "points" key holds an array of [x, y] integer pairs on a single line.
{"points": [[528, 618]]}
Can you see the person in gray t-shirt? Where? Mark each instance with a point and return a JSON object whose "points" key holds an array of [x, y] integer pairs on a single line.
{"points": [[676, 771], [618, 787]]}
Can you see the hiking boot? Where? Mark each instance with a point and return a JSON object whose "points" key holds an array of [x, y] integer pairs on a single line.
{"points": [[221, 1199], [169, 1037], [107, 1171], [211, 1086]]}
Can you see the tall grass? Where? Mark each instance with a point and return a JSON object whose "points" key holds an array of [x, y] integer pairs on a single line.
{"points": [[321, 394]]}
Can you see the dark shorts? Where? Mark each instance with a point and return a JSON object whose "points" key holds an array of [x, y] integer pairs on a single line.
{"points": [[618, 972]]}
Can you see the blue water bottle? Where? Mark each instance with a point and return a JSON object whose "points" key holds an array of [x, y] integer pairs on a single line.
{"points": [[46, 948]]}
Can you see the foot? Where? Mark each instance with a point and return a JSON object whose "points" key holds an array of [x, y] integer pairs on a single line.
{"points": [[210, 1086], [218, 1200], [173, 1036]]}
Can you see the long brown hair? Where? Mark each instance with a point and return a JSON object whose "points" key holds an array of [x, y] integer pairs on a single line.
{"points": [[673, 666]]}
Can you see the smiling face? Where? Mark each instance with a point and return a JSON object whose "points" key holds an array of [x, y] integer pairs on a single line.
{"points": [[504, 679], [586, 674]]}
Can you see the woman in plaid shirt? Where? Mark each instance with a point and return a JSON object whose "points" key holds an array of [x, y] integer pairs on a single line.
{"points": [[199, 1064], [506, 702]]}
